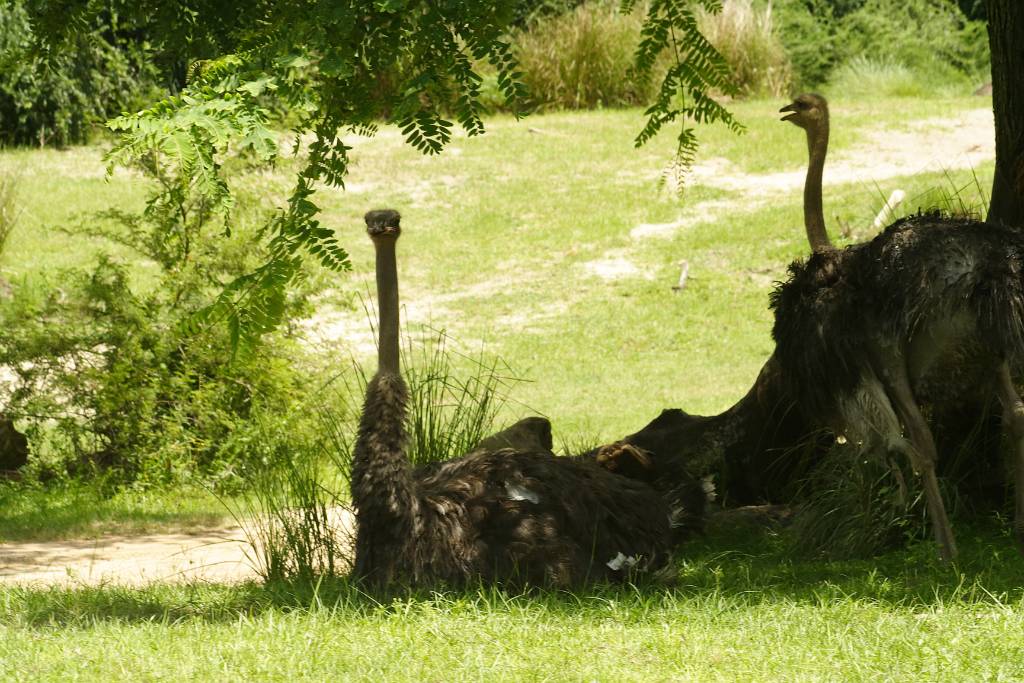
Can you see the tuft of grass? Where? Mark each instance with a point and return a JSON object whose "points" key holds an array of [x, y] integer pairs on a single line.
{"points": [[856, 505], [451, 409], [865, 76], [583, 58], [10, 211], [296, 522], [747, 38], [297, 512]]}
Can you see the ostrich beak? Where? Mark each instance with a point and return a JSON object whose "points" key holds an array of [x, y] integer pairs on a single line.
{"points": [[790, 108]]}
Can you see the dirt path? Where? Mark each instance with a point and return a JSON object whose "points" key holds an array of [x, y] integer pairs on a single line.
{"points": [[221, 556]]}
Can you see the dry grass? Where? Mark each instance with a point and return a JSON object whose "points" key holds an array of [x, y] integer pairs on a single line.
{"points": [[747, 38]]}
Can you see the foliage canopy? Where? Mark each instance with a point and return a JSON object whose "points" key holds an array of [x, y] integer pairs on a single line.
{"points": [[345, 67]]}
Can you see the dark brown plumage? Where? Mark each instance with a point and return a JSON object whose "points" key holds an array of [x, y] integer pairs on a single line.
{"points": [[926, 310], [525, 517]]}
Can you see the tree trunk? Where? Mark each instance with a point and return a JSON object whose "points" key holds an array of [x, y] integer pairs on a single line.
{"points": [[1006, 38]]}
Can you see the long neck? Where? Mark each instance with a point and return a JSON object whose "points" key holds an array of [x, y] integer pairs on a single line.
{"points": [[814, 215], [387, 306], [383, 490]]}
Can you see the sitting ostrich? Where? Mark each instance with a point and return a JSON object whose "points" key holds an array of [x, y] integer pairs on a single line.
{"points": [[810, 112], [522, 516], [925, 310]]}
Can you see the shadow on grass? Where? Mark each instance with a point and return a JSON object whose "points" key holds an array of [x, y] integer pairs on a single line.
{"points": [[739, 568], [36, 513]]}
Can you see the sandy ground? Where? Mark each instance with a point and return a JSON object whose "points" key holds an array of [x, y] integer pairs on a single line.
{"points": [[220, 556], [224, 555]]}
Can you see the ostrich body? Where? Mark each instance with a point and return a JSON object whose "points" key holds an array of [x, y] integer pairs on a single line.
{"points": [[810, 112], [930, 308], [494, 515], [919, 313]]}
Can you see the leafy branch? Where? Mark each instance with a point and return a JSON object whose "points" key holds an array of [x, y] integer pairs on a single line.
{"points": [[347, 66]]}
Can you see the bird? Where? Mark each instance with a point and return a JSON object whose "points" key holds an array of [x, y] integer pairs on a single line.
{"points": [[867, 334], [495, 515]]}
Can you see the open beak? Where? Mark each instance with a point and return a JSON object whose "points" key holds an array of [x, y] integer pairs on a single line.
{"points": [[790, 108]]}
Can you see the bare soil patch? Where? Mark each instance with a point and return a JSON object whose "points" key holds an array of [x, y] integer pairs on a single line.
{"points": [[218, 555]]}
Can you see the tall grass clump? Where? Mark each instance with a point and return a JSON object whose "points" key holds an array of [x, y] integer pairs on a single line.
{"points": [[852, 503], [866, 76], [451, 411], [747, 38], [583, 59], [295, 513], [9, 210], [856, 505], [298, 512]]}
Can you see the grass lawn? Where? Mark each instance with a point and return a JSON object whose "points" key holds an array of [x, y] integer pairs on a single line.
{"points": [[742, 611], [547, 242]]}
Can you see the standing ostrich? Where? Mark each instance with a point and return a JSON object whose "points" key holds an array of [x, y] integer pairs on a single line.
{"points": [[810, 112], [919, 313], [494, 515]]}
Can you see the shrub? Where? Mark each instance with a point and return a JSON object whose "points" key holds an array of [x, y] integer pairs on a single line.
{"points": [[747, 38], [928, 36], [807, 29], [928, 41], [57, 102], [583, 59], [112, 378]]}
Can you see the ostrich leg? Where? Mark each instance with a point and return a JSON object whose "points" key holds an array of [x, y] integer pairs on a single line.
{"points": [[1013, 421], [922, 451]]}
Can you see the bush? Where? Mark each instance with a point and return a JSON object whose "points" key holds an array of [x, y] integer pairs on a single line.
{"points": [[112, 379], [57, 103], [746, 37], [928, 41], [583, 59], [928, 36]]}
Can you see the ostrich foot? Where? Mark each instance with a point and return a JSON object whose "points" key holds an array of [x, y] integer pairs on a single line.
{"points": [[621, 456]]}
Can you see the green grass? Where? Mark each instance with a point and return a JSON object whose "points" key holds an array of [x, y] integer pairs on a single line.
{"points": [[77, 510], [500, 235], [742, 610]]}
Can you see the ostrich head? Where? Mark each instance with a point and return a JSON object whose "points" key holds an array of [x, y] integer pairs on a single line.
{"points": [[807, 111], [383, 223]]}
